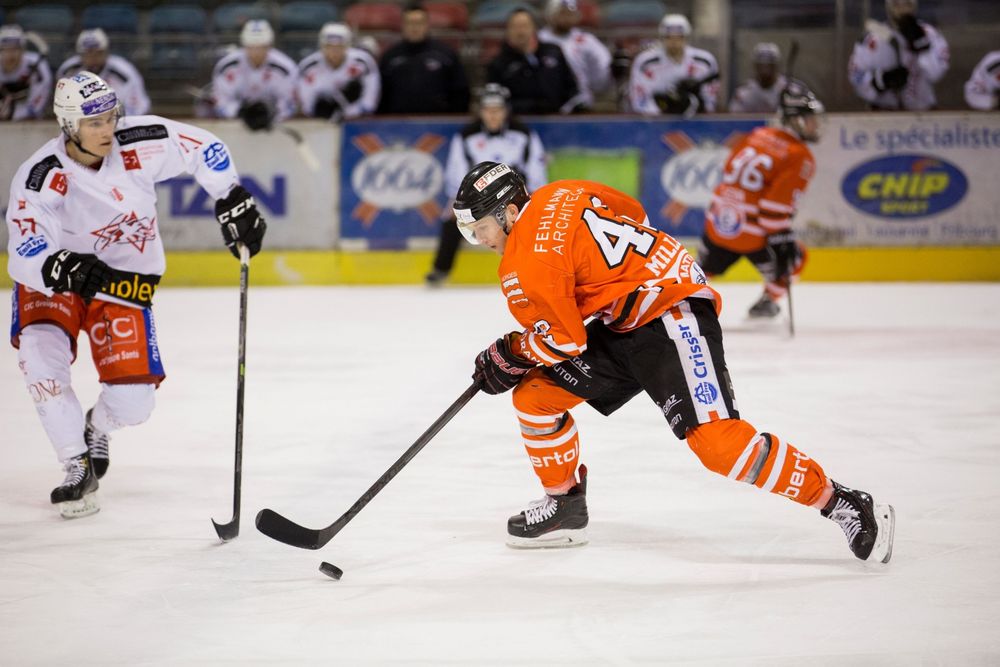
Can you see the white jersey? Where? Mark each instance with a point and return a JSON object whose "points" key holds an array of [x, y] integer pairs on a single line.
{"points": [[882, 49], [654, 72], [35, 77], [235, 82], [587, 56], [515, 145], [58, 204], [751, 97], [317, 79], [123, 78], [982, 90]]}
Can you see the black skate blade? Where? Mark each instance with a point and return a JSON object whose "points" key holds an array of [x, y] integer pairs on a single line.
{"points": [[288, 532], [227, 531]]}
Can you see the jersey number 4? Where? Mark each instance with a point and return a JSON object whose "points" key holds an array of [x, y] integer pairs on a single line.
{"points": [[615, 238], [747, 168]]}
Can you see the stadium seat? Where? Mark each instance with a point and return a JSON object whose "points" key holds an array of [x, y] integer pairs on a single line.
{"points": [[493, 13], [50, 19], [447, 15], [173, 59], [374, 16], [633, 12], [590, 14], [112, 17], [306, 15], [230, 17], [178, 19]]}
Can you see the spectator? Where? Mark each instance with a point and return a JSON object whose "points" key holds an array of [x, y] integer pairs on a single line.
{"points": [[92, 56], [537, 74], [761, 94], [493, 135], [982, 90], [256, 82], [587, 56], [420, 74], [896, 65], [338, 82], [25, 77], [672, 77]]}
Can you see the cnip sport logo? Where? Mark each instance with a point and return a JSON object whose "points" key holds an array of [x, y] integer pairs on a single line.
{"points": [[903, 187]]}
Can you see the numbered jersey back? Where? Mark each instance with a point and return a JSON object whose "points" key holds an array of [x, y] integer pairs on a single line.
{"points": [[580, 248], [761, 183]]}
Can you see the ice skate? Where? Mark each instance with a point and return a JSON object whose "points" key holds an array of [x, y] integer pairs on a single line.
{"points": [[765, 308], [869, 527], [76, 496], [552, 522], [97, 447], [435, 278]]}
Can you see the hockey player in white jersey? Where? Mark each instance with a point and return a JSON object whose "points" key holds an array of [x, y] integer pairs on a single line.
{"points": [[672, 77], [86, 254], [494, 135], [982, 90], [338, 82], [762, 93], [25, 77], [587, 56], [895, 65], [256, 82], [92, 55]]}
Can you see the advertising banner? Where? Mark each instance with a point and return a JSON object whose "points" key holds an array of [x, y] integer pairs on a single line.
{"points": [[393, 171], [299, 203], [905, 180]]}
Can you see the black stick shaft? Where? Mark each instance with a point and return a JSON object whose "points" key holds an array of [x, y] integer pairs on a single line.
{"points": [[230, 530], [279, 528]]}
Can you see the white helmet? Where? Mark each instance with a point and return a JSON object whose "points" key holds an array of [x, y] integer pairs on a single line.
{"points": [[257, 33], [80, 96], [675, 24], [553, 7], [12, 36], [334, 33], [92, 40]]}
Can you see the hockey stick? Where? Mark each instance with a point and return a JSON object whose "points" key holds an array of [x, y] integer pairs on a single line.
{"points": [[793, 54], [228, 531], [281, 529]]}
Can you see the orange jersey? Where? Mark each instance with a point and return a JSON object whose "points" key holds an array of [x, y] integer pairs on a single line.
{"points": [[761, 183], [582, 249]]}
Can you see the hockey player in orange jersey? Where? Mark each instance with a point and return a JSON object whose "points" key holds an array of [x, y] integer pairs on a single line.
{"points": [[752, 207], [578, 249]]}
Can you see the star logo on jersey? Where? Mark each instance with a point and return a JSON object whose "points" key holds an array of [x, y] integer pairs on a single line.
{"points": [[21, 204], [131, 160], [25, 225], [126, 228]]}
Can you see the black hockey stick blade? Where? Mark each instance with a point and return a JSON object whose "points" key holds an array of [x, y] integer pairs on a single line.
{"points": [[227, 531], [287, 531]]}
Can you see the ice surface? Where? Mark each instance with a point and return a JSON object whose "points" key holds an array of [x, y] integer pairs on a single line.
{"points": [[893, 388]]}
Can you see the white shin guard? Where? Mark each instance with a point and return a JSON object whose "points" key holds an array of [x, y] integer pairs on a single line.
{"points": [[121, 405]]}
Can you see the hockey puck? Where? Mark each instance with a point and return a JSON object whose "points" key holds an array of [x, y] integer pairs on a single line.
{"points": [[331, 571]]}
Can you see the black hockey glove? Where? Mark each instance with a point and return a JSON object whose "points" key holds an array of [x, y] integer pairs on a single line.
{"points": [[256, 115], [240, 221], [913, 33], [68, 271], [677, 102], [325, 107], [352, 91], [499, 368], [892, 79], [16, 90], [784, 249]]}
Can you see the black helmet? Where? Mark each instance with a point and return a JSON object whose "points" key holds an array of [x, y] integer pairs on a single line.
{"points": [[487, 190], [796, 102]]}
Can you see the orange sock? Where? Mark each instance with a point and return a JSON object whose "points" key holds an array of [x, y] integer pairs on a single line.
{"points": [[734, 448], [548, 430]]}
